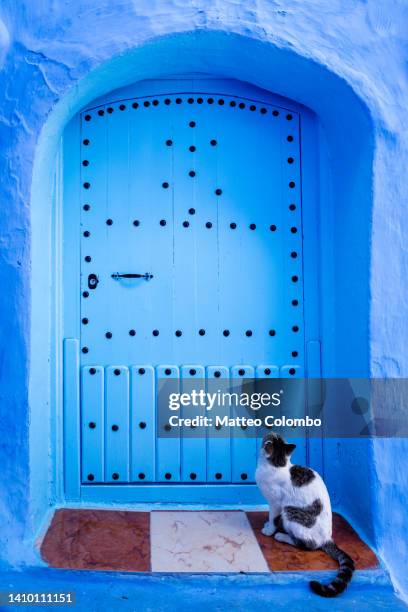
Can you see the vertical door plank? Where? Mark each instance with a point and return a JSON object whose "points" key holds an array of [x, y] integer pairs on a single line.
{"points": [[143, 423], [168, 453], [93, 426], [117, 424], [152, 206], [266, 371], [206, 229], [219, 440], [95, 303], [291, 259], [117, 240], [183, 328], [193, 448], [296, 409], [243, 449]]}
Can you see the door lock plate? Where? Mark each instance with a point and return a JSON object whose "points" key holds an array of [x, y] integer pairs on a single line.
{"points": [[93, 281]]}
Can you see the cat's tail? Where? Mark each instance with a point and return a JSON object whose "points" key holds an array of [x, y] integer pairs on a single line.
{"points": [[344, 575]]}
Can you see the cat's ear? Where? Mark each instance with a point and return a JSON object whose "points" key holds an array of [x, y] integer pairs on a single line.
{"points": [[290, 448]]}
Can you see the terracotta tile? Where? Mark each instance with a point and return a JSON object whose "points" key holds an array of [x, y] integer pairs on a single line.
{"points": [[98, 539], [282, 557]]}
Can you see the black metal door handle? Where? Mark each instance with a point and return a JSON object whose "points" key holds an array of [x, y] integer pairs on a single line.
{"points": [[146, 276]]}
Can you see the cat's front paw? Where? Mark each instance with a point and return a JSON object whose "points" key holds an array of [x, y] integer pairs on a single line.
{"points": [[280, 537], [268, 529]]}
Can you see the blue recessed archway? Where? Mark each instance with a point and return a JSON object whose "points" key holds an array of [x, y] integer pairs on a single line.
{"points": [[344, 158]]}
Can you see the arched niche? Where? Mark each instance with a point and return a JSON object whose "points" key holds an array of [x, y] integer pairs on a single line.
{"points": [[344, 155]]}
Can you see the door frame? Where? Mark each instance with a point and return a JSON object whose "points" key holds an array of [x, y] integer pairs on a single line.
{"points": [[67, 302]]}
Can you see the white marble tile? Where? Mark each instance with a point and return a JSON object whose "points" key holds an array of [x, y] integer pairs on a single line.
{"points": [[204, 542]]}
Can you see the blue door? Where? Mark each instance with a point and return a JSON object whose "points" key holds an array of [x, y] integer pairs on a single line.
{"points": [[188, 204]]}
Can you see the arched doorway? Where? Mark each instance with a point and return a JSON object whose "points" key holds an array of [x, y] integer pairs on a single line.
{"points": [[339, 161], [186, 220]]}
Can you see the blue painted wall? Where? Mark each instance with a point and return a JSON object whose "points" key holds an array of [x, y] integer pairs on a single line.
{"points": [[345, 61]]}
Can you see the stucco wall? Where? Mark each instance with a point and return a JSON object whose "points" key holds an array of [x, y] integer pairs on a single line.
{"points": [[53, 56]]}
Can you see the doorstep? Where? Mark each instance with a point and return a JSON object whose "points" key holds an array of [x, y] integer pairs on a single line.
{"points": [[185, 541]]}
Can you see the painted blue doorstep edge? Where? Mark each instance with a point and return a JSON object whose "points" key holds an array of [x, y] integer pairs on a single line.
{"points": [[370, 590]]}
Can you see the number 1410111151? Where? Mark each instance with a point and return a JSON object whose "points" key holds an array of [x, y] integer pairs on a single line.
{"points": [[44, 598]]}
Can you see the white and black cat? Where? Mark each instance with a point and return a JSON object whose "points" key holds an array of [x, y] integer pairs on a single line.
{"points": [[299, 509]]}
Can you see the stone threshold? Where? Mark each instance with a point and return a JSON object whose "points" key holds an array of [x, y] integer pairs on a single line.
{"points": [[185, 541]]}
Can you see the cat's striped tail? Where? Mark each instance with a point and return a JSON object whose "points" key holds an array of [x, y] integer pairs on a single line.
{"points": [[344, 575]]}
